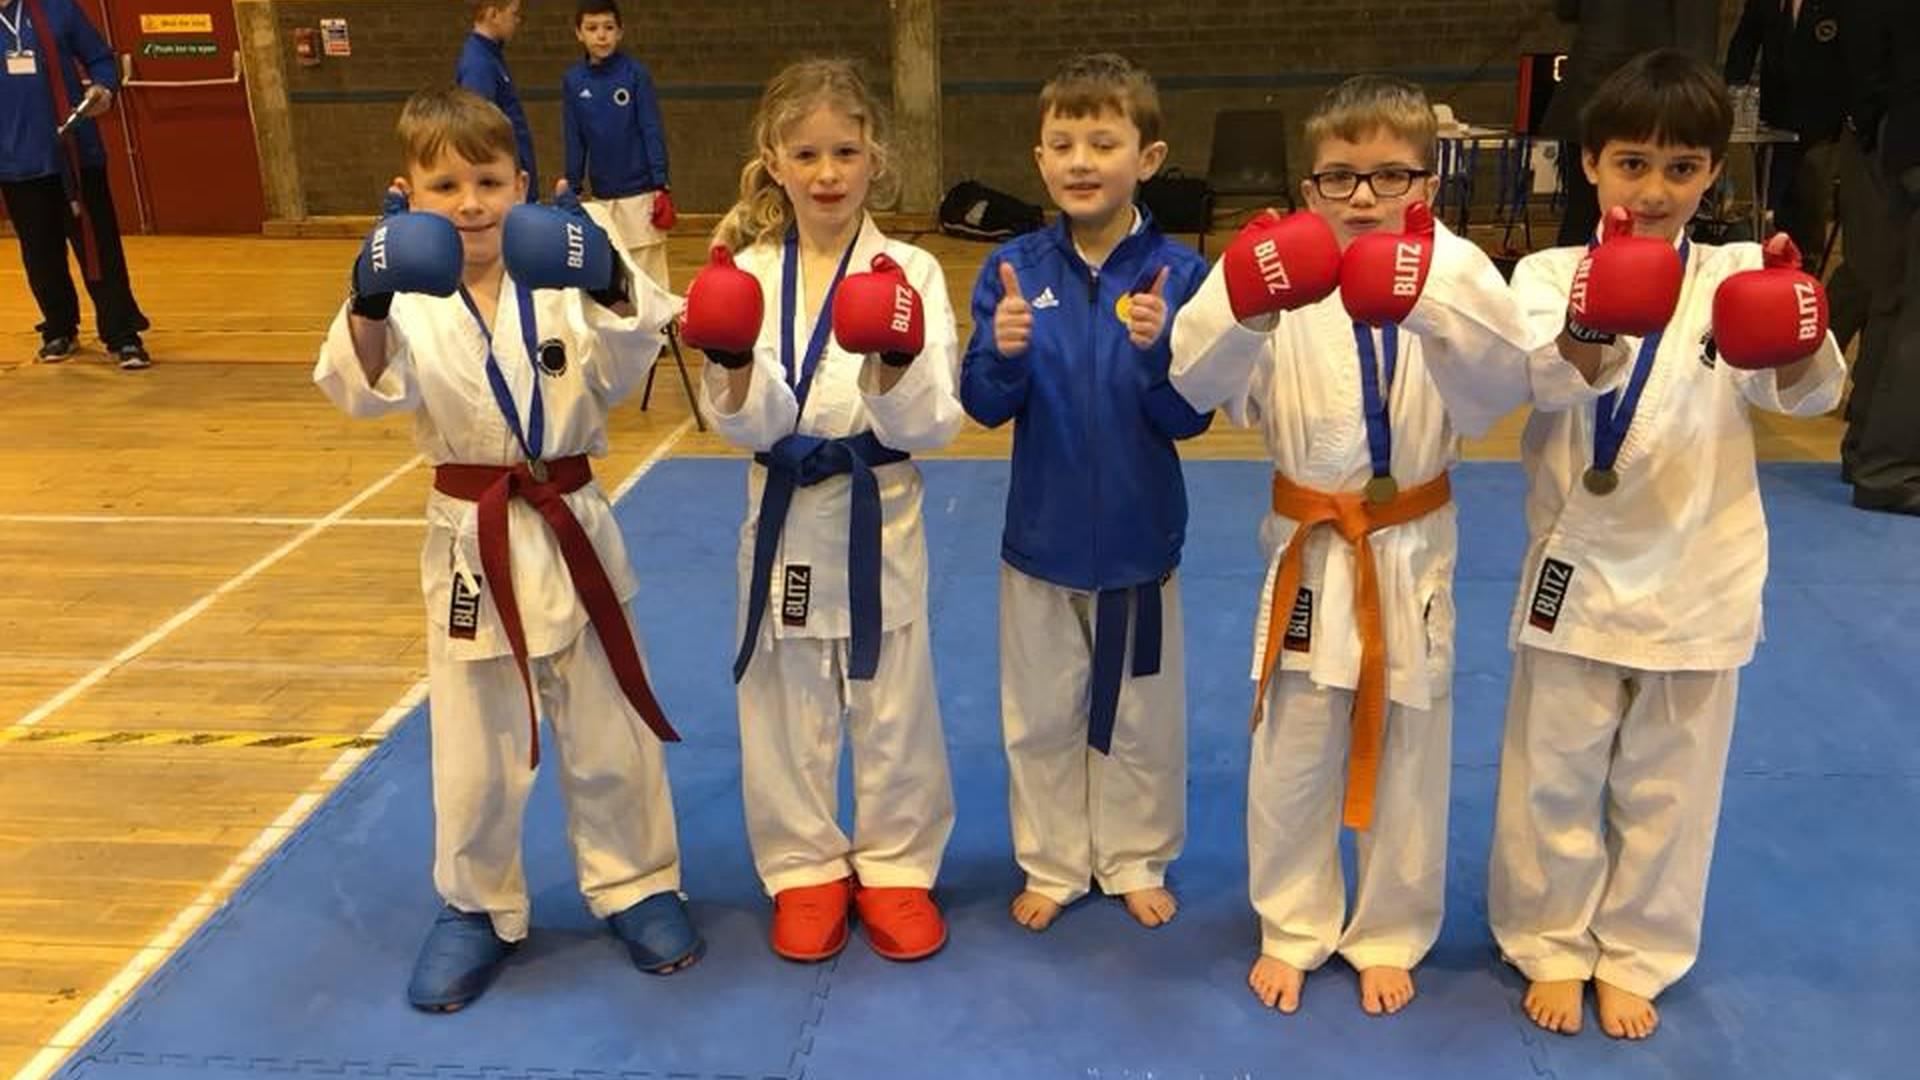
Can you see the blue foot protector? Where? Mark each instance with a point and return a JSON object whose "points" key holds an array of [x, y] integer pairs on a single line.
{"points": [[459, 958], [658, 934]]}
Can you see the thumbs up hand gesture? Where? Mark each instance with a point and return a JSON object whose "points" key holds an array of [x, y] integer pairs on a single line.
{"points": [[1147, 310], [1012, 316]]}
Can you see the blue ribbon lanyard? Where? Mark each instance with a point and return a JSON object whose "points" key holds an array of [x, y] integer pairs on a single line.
{"points": [[1376, 386], [802, 380], [1614, 412], [531, 437]]}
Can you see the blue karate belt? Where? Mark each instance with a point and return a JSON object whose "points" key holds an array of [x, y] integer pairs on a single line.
{"points": [[798, 461], [1110, 652]]}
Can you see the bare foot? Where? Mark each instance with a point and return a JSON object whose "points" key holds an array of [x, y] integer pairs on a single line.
{"points": [[1555, 1005], [1033, 911], [1276, 983], [1151, 907], [1623, 1015], [1385, 990]]}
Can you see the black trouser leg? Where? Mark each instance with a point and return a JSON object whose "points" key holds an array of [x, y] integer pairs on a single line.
{"points": [[116, 316], [1886, 463], [1872, 273], [38, 210]]}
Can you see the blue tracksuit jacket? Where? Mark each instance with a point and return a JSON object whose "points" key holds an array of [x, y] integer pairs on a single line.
{"points": [[1097, 499]]}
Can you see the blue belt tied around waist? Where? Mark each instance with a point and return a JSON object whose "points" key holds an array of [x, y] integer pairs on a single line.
{"points": [[1110, 652], [798, 461]]}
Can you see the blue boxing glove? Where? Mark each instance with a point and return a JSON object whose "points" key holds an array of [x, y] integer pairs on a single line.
{"points": [[406, 252], [560, 247]]}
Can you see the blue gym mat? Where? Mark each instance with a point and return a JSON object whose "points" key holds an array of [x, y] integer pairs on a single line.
{"points": [[1807, 970]]}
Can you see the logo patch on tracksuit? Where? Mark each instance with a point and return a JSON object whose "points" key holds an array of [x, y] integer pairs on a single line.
{"points": [[796, 594], [553, 357], [1046, 299], [1549, 593], [621, 96], [1300, 624], [463, 611]]}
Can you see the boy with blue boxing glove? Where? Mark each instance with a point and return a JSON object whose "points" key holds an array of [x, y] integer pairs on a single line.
{"points": [[509, 330]]}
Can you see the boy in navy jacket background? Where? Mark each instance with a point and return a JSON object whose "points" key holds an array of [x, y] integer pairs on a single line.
{"points": [[1070, 342], [611, 122]]}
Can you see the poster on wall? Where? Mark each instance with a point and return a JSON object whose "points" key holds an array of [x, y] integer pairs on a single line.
{"points": [[333, 35]]}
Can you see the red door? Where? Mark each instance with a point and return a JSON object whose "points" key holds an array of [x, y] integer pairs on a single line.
{"points": [[181, 124]]}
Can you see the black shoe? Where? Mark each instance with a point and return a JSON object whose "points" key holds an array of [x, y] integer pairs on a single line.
{"points": [[1897, 501], [133, 357], [55, 349]]}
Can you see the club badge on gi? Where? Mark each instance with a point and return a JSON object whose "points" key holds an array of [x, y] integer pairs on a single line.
{"points": [[798, 592], [553, 357], [1549, 593]]}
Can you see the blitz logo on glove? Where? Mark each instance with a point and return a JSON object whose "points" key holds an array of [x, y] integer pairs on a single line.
{"points": [[1407, 259], [1266, 256], [377, 250], [902, 309], [1577, 297], [1806, 299], [576, 247]]}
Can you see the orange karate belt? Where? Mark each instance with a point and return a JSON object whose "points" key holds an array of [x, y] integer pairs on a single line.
{"points": [[493, 487], [1354, 516]]}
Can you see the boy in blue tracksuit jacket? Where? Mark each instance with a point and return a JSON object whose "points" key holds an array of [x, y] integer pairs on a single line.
{"points": [[610, 118], [483, 69], [1070, 342]]}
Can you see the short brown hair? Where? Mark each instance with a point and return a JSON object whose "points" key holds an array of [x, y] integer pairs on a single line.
{"points": [[1663, 96], [1091, 83], [1365, 104], [443, 118]]}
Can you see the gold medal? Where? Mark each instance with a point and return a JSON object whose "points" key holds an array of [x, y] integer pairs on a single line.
{"points": [[1382, 489], [1600, 481], [1123, 309]]}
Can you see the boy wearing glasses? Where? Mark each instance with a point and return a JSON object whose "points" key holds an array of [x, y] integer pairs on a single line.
{"points": [[1362, 401]]}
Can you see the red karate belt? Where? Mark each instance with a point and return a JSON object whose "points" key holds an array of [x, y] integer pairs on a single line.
{"points": [[493, 487]]}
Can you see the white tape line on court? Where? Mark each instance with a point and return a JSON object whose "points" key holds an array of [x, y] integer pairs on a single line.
{"points": [[190, 612], [101, 1006]]}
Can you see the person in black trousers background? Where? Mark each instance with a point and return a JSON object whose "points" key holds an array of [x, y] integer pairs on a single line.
{"points": [[43, 176]]}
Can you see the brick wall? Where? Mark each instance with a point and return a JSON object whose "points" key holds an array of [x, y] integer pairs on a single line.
{"points": [[710, 56]]}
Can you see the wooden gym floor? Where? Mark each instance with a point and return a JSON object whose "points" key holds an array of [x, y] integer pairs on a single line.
{"points": [[209, 608]]}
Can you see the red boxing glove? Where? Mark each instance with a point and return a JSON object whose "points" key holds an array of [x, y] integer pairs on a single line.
{"points": [[1626, 285], [878, 312], [724, 308], [1772, 317], [1280, 263], [663, 215], [1382, 274]]}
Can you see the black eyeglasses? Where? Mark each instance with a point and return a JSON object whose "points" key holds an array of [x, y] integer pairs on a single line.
{"points": [[1388, 183]]}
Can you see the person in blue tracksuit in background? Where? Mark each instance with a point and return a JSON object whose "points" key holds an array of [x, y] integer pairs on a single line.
{"points": [[1070, 342], [54, 183], [483, 70], [611, 121]]}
